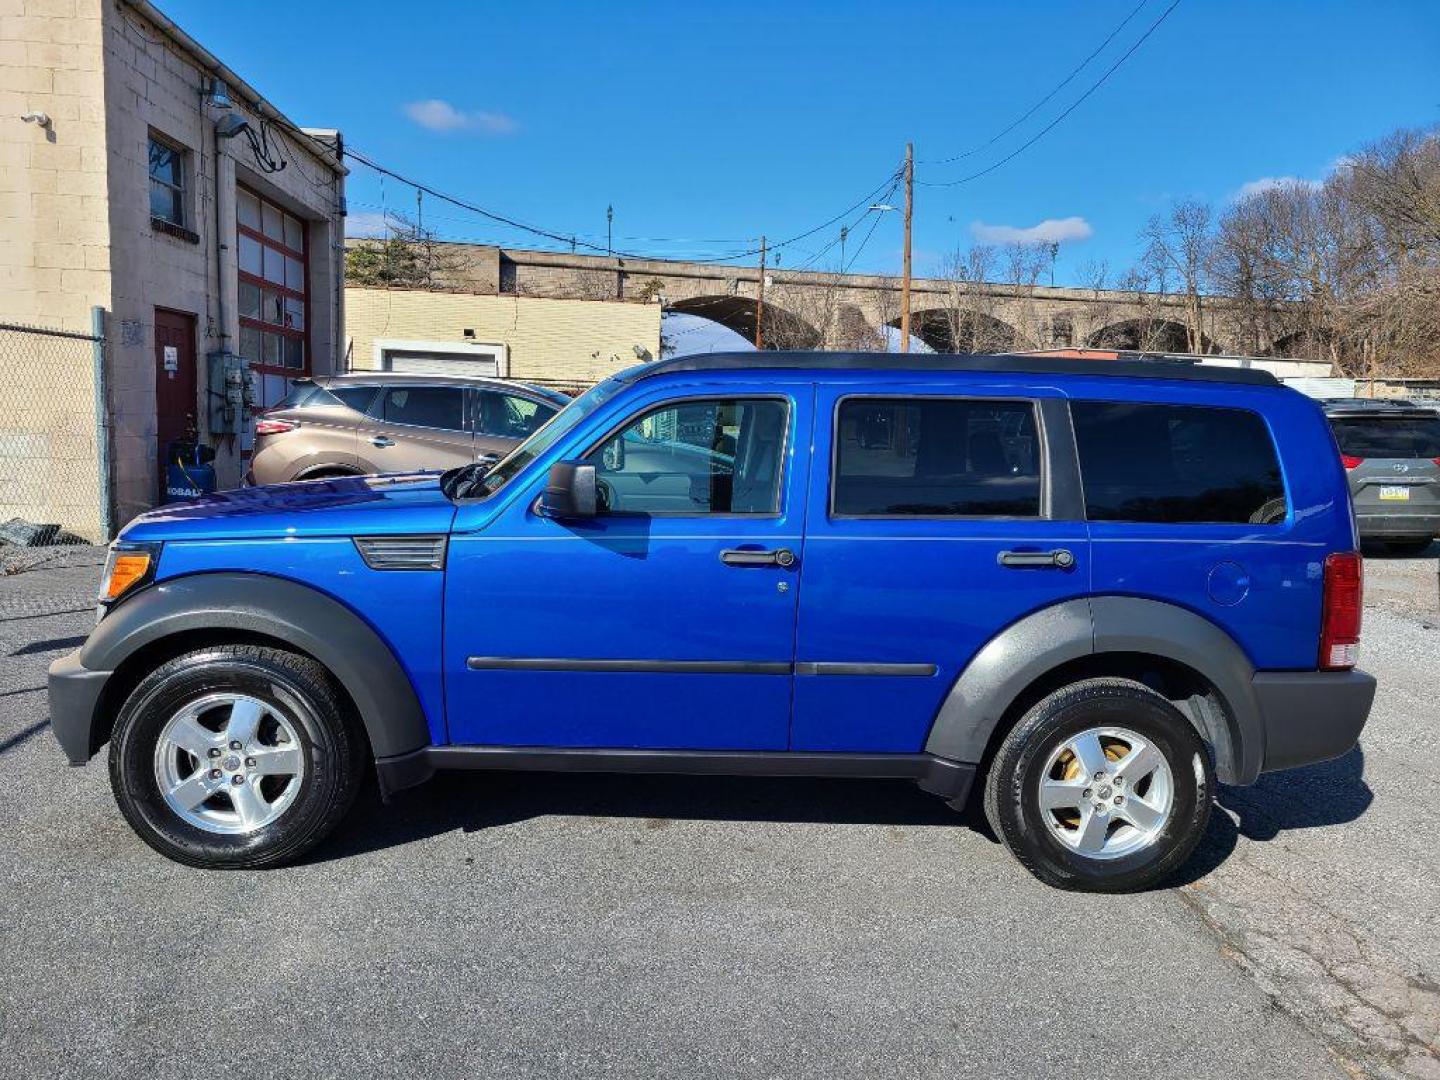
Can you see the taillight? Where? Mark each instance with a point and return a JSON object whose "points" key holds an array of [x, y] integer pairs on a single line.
{"points": [[1350, 461], [1340, 610], [275, 427]]}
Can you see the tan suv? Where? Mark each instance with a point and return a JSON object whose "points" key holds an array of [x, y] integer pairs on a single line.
{"points": [[349, 425]]}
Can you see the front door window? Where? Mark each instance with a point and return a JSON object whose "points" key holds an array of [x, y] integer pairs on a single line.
{"points": [[695, 457]]}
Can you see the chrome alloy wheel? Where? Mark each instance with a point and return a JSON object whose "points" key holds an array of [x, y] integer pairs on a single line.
{"points": [[1106, 792], [229, 763]]}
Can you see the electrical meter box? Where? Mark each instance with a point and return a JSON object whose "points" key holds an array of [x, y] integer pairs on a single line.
{"points": [[231, 393]]}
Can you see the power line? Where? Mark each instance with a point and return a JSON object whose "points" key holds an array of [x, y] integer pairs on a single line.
{"points": [[1043, 101], [573, 239], [1071, 108]]}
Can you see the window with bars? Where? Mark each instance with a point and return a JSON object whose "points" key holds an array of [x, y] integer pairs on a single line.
{"points": [[274, 300], [167, 181]]}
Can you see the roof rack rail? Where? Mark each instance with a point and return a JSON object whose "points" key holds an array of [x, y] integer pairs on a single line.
{"points": [[1000, 363]]}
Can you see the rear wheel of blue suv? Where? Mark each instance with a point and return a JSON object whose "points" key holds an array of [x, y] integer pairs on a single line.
{"points": [[1095, 590], [1103, 785]]}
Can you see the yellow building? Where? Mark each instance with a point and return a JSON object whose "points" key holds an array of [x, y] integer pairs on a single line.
{"points": [[569, 342]]}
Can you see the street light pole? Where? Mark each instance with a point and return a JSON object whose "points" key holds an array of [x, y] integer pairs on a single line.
{"points": [[610, 230], [905, 271]]}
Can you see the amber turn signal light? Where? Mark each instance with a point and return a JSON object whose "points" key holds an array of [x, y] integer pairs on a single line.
{"points": [[127, 569]]}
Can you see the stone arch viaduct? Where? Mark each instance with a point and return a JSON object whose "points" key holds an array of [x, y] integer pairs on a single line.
{"points": [[808, 309]]}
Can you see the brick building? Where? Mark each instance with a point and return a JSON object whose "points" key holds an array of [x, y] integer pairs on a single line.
{"points": [[141, 176]]}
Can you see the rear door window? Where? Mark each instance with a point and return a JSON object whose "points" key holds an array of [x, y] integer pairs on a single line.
{"points": [[508, 416], [936, 457], [440, 407], [1388, 436], [1180, 464]]}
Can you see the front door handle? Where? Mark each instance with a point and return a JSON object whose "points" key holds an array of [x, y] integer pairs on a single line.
{"points": [[381, 440], [753, 557], [1060, 558]]}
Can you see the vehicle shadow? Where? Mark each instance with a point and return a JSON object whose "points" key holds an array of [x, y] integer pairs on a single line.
{"points": [[1330, 793], [473, 801]]}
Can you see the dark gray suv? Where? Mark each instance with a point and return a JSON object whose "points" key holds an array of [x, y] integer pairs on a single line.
{"points": [[1391, 453]]}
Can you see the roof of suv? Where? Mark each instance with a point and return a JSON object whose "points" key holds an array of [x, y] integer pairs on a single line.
{"points": [[921, 363]]}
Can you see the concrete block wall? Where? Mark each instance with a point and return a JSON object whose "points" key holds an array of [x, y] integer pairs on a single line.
{"points": [[555, 339], [54, 258]]}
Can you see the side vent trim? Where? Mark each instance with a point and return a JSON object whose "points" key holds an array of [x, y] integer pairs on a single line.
{"points": [[402, 552]]}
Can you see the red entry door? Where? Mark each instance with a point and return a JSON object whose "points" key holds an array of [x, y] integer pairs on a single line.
{"points": [[176, 394]]}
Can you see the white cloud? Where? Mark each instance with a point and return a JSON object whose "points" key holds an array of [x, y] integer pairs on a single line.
{"points": [[367, 225], [1270, 183], [438, 115], [1049, 231]]}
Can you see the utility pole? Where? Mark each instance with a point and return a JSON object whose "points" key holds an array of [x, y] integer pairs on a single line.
{"points": [[760, 301], [844, 232], [905, 269], [610, 230]]}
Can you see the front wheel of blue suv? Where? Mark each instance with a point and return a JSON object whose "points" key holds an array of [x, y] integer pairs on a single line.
{"points": [[236, 756], [1103, 786]]}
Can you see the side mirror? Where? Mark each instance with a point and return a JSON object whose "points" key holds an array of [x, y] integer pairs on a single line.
{"points": [[570, 492]]}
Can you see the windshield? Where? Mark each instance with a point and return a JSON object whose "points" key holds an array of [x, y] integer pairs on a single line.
{"points": [[1389, 436], [559, 425]]}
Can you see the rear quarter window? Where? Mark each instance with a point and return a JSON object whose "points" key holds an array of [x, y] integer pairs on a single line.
{"points": [[1177, 464]]}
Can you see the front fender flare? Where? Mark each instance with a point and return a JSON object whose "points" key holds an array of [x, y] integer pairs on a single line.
{"points": [[295, 614]]}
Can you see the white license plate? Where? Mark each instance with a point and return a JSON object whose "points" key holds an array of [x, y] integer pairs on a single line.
{"points": [[1394, 493]]}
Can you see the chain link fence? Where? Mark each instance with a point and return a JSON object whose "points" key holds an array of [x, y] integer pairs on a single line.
{"points": [[53, 442]]}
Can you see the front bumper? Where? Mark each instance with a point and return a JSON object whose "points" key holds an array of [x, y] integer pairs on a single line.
{"points": [[74, 693], [1311, 716]]}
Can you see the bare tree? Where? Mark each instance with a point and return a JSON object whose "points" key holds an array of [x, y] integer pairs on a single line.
{"points": [[409, 256], [1178, 246]]}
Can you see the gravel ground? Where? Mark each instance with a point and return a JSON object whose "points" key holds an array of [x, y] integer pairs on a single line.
{"points": [[500, 925]]}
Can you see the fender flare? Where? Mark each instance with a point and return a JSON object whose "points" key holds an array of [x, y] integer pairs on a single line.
{"points": [[295, 614], [1027, 650]]}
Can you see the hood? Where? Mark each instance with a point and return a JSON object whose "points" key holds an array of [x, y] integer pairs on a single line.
{"points": [[396, 503]]}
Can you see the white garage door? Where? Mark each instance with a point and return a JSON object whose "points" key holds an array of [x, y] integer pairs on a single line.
{"points": [[476, 363]]}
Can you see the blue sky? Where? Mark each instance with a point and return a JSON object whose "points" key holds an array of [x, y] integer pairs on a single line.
{"points": [[707, 124]]}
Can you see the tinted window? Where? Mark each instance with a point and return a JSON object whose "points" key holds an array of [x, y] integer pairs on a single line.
{"points": [[426, 406], [302, 392], [696, 457], [1388, 437], [1177, 463], [511, 417], [936, 457], [356, 397]]}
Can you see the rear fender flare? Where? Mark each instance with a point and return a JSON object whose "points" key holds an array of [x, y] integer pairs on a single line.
{"points": [[1026, 651]]}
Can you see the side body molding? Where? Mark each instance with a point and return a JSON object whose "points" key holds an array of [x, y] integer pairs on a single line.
{"points": [[293, 613], [1039, 643]]}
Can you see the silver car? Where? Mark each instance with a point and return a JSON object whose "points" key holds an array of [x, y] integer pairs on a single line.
{"points": [[1391, 453]]}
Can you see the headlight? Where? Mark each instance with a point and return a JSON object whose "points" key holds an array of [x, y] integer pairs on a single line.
{"points": [[128, 567]]}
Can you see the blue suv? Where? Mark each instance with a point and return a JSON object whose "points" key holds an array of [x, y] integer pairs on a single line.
{"points": [[1090, 588]]}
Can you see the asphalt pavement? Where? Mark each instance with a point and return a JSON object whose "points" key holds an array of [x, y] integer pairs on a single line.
{"points": [[578, 926]]}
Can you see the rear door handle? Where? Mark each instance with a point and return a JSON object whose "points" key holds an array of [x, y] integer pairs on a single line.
{"points": [[1060, 558], [752, 557], [381, 440]]}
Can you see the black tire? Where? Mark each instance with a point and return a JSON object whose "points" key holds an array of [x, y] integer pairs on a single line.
{"points": [[1012, 802], [1408, 547], [332, 742]]}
